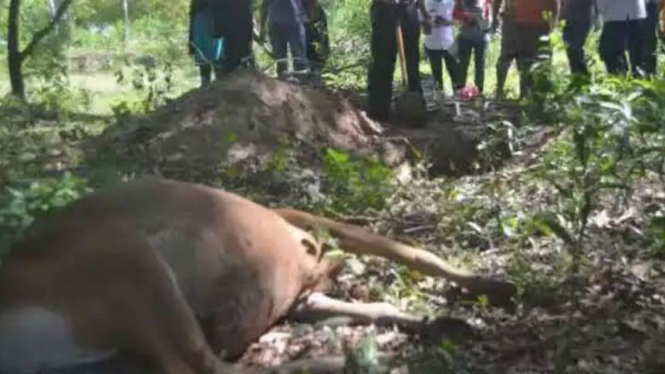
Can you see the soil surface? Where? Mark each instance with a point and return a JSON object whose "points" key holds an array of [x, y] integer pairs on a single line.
{"points": [[246, 117]]}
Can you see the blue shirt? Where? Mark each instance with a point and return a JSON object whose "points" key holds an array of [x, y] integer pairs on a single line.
{"points": [[286, 12]]}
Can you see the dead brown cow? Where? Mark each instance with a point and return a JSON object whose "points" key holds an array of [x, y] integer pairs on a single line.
{"points": [[174, 275]]}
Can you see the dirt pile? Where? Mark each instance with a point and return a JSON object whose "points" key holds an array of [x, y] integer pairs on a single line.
{"points": [[241, 119], [463, 137]]}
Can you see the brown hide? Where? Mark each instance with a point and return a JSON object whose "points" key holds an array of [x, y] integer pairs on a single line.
{"points": [[177, 273], [113, 290], [107, 264]]}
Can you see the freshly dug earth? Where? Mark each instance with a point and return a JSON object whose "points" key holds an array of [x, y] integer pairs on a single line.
{"points": [[242, 120], [450, 142]]}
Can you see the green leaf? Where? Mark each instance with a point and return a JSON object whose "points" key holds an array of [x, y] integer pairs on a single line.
{"points": [[548, 224]]}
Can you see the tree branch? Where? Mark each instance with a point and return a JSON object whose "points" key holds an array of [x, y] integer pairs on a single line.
{"points": [[41, 34]]}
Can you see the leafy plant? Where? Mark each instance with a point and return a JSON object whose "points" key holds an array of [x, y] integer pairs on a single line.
{"points": [[596, 156], [123, 111], [363, 358], [443, 358], [357, 184], [349, 26], [152, 80]]}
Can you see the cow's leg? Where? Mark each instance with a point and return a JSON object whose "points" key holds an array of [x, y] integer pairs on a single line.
{"points": [[318, 307], [131, 297], [160, 327], [166, 326], [357, 240]]}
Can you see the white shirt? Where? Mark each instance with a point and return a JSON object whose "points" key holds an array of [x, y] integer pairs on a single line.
{"points": [[441, 37], [622, 10]]}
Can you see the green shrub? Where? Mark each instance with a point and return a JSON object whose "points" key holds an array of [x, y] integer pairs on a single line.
{"points": [[612, 134], [356, 184]]}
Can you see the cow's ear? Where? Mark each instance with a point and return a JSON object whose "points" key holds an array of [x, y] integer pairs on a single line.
{"points": [[311, 247]]}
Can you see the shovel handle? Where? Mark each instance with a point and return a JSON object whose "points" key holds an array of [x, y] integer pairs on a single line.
{"points": [[402, 55]]}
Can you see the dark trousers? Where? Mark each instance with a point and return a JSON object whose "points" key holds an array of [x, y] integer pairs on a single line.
{"points": [[478, 48], [436, 59], [284, 37], [237, 27], [575, 34], [619, 37], [385, 16], [649, 35], [526, 46]]}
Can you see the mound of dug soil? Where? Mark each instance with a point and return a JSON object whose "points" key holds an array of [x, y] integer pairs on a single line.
{"points": [[242, 119], [450, 142]]}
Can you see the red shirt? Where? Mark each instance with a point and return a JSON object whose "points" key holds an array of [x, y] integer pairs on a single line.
{"points": [[531, 12], [458, 13]]}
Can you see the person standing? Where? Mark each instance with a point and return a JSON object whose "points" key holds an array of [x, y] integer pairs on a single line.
{"points": [[523, 37], [650, 33], [386, 16], [579, 15], [474, 16], [203, 46], [286, 27], [622, 33], [439, 38], [235, 24]]}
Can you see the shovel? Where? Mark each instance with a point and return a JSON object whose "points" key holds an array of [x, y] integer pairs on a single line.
{"points": [[410, 106], [402, 56]]}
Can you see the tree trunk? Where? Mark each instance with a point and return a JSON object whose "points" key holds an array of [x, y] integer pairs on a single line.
{"points": [[14, 58], [125, 35]]}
